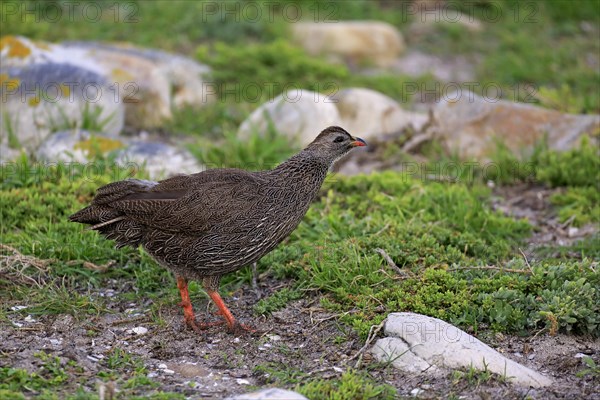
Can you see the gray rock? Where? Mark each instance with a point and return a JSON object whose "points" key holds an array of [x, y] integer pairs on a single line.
{"points": [[158, 81], [298, 114], [8, 154], [77, 146], [357, 41], [269, 394], [415, 63], [159, 159], [47, 97], [471, 125], [367, 113], [438, 343], [147, 84]]}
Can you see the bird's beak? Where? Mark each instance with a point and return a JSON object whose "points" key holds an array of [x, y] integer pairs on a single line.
{"points": [[358, 142]]}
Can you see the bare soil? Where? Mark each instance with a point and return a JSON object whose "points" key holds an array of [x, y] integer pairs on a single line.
{"points": [[299, 339]]}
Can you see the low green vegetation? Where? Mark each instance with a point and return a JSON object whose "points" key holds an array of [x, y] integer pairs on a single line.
{"points": [[351, 385], [460, 259], [370, 245], [121, 369]]}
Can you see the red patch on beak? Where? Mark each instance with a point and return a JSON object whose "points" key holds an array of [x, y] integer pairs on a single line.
{"points": [[358, 142]]}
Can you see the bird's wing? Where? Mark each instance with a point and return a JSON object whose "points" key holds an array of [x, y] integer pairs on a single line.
{"points": [[212, 199]]}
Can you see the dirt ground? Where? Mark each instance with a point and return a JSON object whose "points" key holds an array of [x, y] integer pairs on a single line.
{"points": [[300, 337]]}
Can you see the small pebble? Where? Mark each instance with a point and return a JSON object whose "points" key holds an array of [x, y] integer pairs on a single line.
{"points": [[572, 231], [29, 318], [416, 391], [91, 358], [274, 338], [162, 366], [168, 371], [580, 355], [236, 340], [242, 381], [17, 308], [138, 330]]}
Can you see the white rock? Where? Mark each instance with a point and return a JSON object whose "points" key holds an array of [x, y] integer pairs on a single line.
{"points": [[396, 351], [439, 343], [17, 308], [162, 366], [139, 330], [572, 231], [269, 394], [298, 114], [367, 113], [242, 381], [159, 159], [168, 371], [416, 392], [355, 41]]}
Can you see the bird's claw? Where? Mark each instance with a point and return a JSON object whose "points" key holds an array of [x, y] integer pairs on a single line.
{"points": [[240, 329]]}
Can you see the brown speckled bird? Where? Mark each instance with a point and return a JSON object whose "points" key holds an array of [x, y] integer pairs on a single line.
{"points": [[205, 225]]}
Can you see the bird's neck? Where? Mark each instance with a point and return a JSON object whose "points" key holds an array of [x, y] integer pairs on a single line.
{"points": [[305, 168]]}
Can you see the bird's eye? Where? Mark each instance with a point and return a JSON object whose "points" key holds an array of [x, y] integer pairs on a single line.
{"points": [[338, 139]]}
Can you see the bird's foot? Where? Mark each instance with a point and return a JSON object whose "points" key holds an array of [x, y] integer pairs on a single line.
{"points": [[240, 329], [201, 326], [194, 325]]}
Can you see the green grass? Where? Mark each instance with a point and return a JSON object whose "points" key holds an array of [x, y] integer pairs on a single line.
{"points": [[461, 260], [351, 385]]}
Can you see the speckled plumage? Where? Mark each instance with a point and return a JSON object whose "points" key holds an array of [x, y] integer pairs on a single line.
{"points": [[205, 225]]}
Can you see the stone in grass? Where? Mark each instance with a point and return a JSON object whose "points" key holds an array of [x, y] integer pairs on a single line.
{"points": [[435, 342], [297, 114], [373, 42], [159, 159], [269, 394], [472, 125], [368, 113], [39, 99], [77, 146]]}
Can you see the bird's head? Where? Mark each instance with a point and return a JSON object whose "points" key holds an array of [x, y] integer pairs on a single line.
{"points": [[334, 142]]}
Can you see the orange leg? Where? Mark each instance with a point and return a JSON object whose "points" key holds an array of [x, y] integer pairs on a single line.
{"points": [[232, 324], [188, 311]]}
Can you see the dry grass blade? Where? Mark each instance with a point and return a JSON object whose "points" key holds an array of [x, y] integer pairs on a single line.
{"points": [[372, 335], [22, 269], [391, 262], [29, 270]]}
